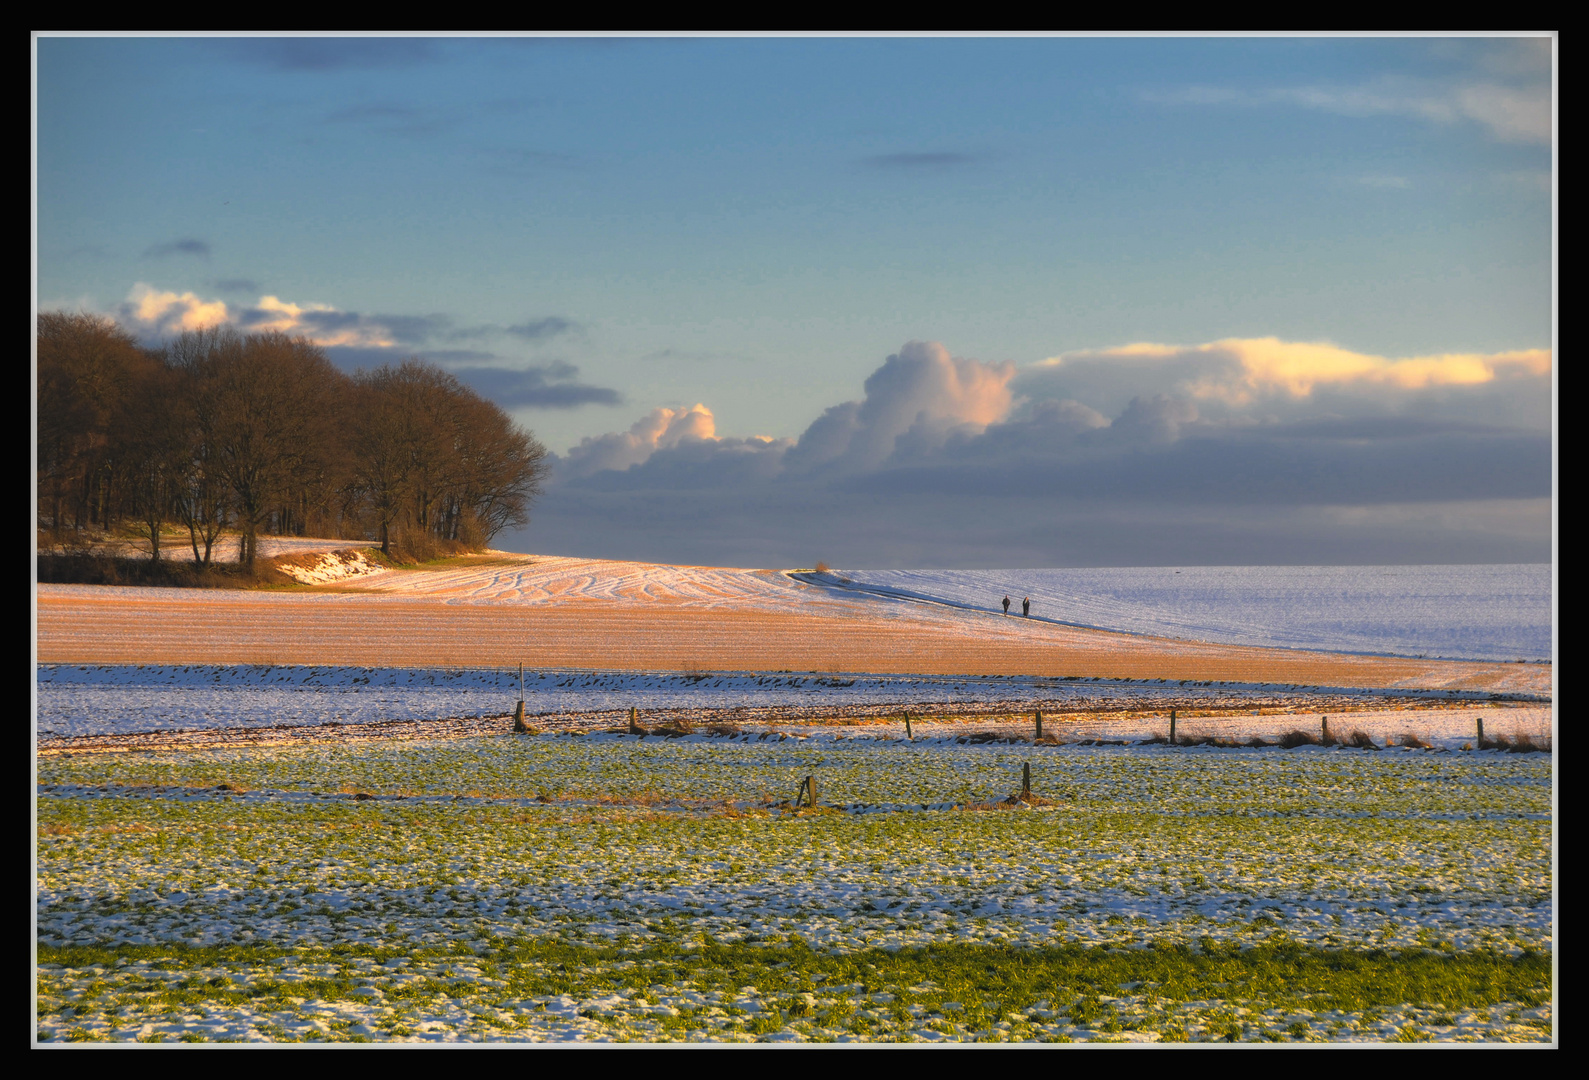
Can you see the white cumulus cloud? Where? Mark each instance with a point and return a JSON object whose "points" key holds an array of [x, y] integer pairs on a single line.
{"points": [[660, 429], [162, 312], [1242, 372], [918, 399]]}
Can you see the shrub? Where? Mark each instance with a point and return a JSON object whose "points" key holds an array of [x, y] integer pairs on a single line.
{"points": [[1359, 740], [1295, 737]]}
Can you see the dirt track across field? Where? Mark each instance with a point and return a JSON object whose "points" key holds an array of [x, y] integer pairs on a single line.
{"points": [[100, 625]]}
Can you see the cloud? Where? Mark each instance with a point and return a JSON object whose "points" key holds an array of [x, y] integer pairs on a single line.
{"points": [[551, 386], [1294, 452], [1398, 182], [1241, 373], [379, 113], [320, 323], [920, 160], [419, 329], [544, 329], [355, 340], [160, 313], [320, 54], [919, 397], [1510, 113], [392, 118], [659, 429], [1519, 111], [240, 285], [691, 355], [1296, 367], [187, 246]]}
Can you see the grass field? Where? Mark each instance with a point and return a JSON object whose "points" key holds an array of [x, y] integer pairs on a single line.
{"points": [[555, 887]]}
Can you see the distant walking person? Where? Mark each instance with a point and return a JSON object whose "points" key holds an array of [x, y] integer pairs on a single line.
{"points": [[1026, 607], [1006, 605]]}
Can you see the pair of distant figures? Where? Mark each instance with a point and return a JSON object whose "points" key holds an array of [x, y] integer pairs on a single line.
{"points": [[1026, 606]]}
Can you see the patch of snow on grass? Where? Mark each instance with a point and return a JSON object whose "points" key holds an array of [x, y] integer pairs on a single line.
{"points": [[324, 567]]}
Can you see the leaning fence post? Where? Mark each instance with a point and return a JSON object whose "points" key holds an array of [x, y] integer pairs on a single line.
{"points": [[908, 735], [808, 792], [1172, 727]]}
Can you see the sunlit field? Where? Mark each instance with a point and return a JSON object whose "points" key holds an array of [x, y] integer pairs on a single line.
{"points": [[602, 887]]}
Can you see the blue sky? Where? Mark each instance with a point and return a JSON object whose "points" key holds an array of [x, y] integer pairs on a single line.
{"points": [[591, 231]]}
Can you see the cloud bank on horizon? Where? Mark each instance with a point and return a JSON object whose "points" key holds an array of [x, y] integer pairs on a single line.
{"points": [[1233, 451], [1238, 450]]}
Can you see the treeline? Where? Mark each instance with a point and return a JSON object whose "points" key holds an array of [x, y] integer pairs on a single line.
{"points": [[260, 433]]}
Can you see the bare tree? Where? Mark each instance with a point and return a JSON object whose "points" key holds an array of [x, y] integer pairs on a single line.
{"points": [[83, 369], [265, 406], [148, 449], [434, 458], [505, 468], [261, 431], [396, 443]]}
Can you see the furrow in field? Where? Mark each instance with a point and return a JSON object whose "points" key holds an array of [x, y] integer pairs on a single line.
{"points": [[89, 625]]}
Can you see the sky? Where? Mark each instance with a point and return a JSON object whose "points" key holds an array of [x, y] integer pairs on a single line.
{"points": [[882, 302]]}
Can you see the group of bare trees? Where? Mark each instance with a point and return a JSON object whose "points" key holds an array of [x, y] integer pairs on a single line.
{"points": [[260, 433]]}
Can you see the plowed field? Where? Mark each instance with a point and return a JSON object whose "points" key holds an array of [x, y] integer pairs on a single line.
{"points": [[502, 610]]}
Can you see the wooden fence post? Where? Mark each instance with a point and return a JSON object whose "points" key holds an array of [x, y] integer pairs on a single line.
{"points": [[519, 725], [1026, 779], [1325, 724], [908, 735], [808, 792], [1040, 725], [634, 726], [1172, 727], [1481, 733]]}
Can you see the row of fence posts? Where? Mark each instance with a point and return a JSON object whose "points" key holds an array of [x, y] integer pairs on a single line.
{"points": [[807, 795], [1324, 729], [1324, 724]]}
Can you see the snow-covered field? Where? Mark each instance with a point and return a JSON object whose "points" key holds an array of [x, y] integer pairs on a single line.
{"points": [[503, 578], [1468, 612], [1483, 612], [419, 890], [84, 700], [588, 885]]}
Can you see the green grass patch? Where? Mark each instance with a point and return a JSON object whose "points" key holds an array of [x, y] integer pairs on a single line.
{"points": [[987, 979]]}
